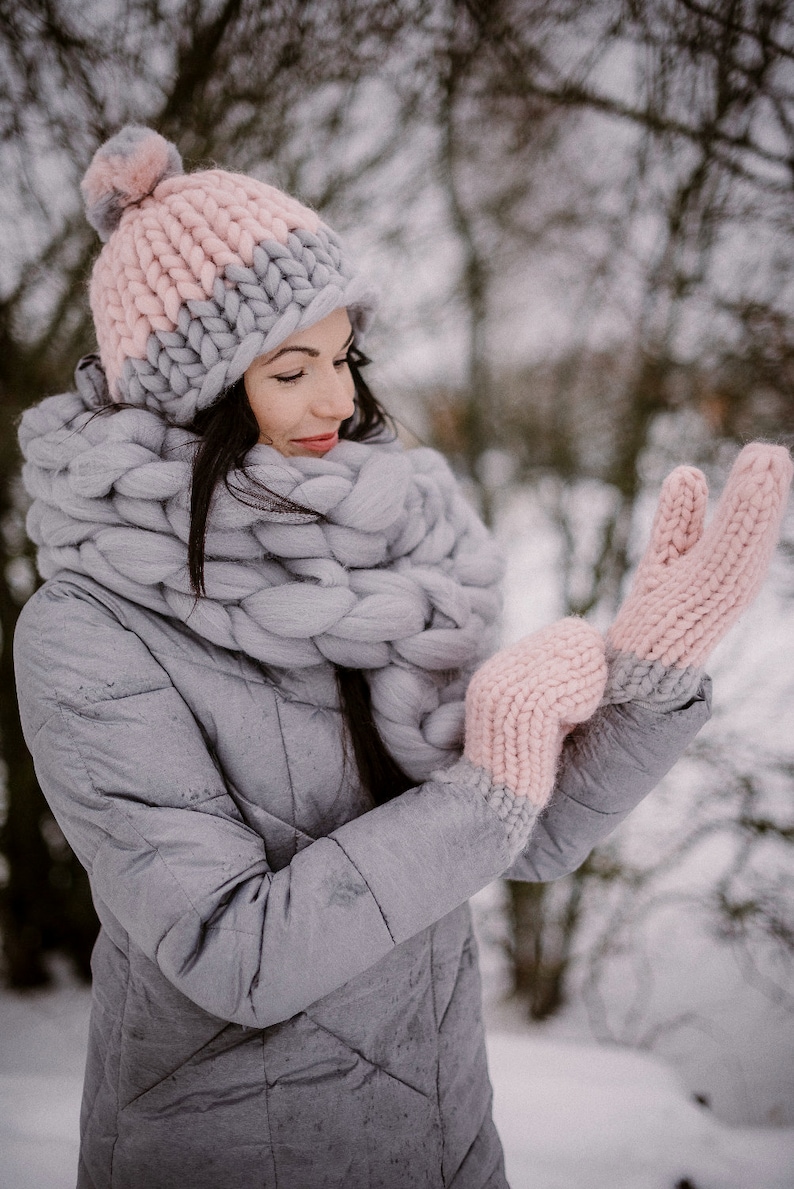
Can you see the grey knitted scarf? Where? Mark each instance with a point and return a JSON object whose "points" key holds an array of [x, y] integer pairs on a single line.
{"points": [[393, 574]]}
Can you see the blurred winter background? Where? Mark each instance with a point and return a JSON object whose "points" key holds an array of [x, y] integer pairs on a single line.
{"points": [[580, 216]]}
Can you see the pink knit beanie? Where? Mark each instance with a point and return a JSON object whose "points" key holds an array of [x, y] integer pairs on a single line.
{"points": [[201, 273]]}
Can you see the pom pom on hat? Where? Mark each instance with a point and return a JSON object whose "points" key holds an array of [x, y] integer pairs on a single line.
{"points": [[125, 170], [200, 273]]}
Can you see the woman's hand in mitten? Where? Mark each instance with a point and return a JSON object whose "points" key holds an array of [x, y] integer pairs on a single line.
{"points": [[519, 707], [692, 585]]}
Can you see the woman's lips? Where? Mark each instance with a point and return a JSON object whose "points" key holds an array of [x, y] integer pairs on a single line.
{"points": [[321, 443]]}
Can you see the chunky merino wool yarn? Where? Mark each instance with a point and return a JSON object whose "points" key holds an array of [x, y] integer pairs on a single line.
{"points": [[523, 701], [692, 585], [392, 572], [201, 273]]}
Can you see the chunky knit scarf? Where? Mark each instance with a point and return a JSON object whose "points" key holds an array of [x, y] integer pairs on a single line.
{"points": [[391, 572]]}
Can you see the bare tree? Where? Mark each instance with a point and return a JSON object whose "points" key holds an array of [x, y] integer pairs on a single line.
{"points": [[725, 868], [680, 334], [641, 153], [256, 86]]}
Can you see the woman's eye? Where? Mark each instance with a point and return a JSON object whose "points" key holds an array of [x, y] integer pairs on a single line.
{"points": [[291, 378], [343, 362]]}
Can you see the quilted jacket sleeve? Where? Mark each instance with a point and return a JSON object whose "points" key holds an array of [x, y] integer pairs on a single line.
{"points": [[135, 789], [607, 766]]}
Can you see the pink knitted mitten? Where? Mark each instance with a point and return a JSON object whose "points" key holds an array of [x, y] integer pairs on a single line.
{"points": [[691, 585], [519, 706]]}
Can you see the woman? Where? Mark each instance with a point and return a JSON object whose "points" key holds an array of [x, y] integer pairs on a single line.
{"points": [[243, 685]]}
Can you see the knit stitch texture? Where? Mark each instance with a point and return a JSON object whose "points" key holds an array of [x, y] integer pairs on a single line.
{"points": [[523, 701], [518, 813], [201, 273], [392, 572], [693, 584]]}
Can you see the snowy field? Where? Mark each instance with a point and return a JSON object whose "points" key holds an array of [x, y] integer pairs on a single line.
{"points": [[571, 1116]]}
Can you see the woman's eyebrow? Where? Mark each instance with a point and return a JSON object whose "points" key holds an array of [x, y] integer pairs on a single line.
{"points": [[311, 351], [288, 351]]}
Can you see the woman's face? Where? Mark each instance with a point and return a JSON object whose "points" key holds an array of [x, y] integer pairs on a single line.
{"points": [[301, 392]]}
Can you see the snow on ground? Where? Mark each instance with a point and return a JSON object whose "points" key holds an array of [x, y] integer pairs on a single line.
{"points": [[571, 1116], [589, 1116], [43, 1038]]}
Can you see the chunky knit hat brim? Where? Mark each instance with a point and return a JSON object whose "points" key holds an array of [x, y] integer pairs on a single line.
{"points": [[201, 273]]}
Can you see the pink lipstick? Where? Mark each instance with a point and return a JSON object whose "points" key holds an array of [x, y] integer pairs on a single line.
{"points": [[319, 444]]}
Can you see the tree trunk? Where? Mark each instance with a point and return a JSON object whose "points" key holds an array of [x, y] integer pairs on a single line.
{"points": [[541, 935]]}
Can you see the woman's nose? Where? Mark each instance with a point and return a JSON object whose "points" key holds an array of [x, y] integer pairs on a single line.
{"points": [[335, 396]]}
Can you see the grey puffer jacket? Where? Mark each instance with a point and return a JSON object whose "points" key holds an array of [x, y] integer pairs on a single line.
{"points": [[285, 991]]}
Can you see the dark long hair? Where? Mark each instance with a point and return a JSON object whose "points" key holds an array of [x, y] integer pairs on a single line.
{"points": [[227, 431]]}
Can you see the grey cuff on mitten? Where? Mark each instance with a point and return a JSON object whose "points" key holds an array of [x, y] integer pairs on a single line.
{"points": [[648, 683], [517, 813]]}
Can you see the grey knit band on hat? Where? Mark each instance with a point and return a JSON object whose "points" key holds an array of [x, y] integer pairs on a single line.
{"points": [[202, 273]]}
